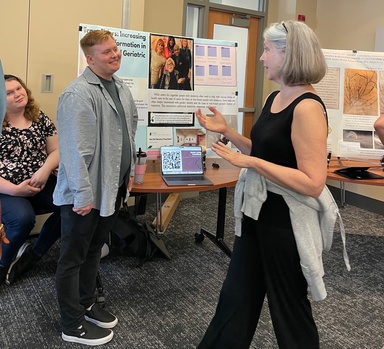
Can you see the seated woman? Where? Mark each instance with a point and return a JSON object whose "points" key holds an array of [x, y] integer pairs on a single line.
{"points": [[28, 156], [169, 80]]}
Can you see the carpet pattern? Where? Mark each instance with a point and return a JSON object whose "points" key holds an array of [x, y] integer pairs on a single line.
{"points": [[167, 304]]}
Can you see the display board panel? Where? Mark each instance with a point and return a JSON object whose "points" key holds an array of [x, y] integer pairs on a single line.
{"points": [[167, 111]]}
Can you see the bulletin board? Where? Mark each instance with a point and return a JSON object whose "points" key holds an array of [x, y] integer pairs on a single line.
{"points": [[167, 116], [353, 92]]}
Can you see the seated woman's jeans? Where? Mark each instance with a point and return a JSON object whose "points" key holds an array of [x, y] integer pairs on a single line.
{"points": [[18, 217]]}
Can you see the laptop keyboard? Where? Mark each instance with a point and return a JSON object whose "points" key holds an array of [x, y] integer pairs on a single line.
{"points": [[186, 178]]}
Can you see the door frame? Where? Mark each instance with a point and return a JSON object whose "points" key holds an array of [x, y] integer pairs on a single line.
{"points": [[253, 92], [226, 18]]}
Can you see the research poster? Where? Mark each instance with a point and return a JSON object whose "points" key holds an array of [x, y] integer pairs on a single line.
{"points": [[353, 92], [205, 72]]}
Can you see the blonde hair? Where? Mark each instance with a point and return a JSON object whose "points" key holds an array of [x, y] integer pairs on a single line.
{"points": [[93, 38], [32, 109], [184, 41], [170, 60], [159, 41], [304, 61]]}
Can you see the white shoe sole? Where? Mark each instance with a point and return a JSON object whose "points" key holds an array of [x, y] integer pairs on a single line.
{"points": [[102, 324], [85, 341], [16, 259], [104, 251]]}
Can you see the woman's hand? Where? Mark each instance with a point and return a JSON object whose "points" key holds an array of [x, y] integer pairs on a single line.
{"points": [[234, 157], [215, 123], [39, 178], [25, 189]]}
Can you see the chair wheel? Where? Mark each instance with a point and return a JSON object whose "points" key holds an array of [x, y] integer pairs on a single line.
{"points": [[199, 237]]}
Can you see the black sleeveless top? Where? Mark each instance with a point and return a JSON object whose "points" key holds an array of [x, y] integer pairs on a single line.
{"points": [[271, 134], [271, 141]]}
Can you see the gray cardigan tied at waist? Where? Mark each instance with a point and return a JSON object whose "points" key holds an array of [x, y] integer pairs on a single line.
{"points": [[313, 221]]}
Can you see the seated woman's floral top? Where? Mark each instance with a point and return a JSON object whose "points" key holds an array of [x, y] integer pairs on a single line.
{"points": [[23, 152]]}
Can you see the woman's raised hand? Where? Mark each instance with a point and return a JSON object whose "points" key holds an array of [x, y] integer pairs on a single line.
{"points": [[215, 123]]}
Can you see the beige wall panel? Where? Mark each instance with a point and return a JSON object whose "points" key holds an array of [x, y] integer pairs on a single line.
{"points": [[136, 15], [54, 42], [164, 17], [349, 24], [307, 8], [14, 17]]}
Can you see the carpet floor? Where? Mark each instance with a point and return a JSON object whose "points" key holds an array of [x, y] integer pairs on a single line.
{"points": [[167, 304]]}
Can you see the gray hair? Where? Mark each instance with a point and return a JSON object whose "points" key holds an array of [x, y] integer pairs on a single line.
{"points": [[304, 61]]}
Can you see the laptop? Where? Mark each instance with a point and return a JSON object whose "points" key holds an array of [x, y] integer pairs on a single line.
{"points": [[183, 165], [357, 173]]}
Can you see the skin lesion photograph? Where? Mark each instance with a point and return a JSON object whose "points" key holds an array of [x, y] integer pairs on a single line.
{"points": [[360, 92]]}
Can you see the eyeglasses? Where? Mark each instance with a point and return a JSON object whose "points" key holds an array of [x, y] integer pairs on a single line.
{"points": [[285, 28]]}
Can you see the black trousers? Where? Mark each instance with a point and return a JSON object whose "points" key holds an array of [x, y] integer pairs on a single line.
{"points": [[80, 251], [265, 262]]}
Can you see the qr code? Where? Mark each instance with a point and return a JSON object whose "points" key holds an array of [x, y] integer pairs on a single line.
{"points": [[171, 160]]}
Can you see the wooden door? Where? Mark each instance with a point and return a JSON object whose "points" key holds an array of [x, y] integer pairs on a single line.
{"points": [[223, 18]]}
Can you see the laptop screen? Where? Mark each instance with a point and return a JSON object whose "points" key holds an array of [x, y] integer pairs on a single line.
{"points": [[181, 160]]}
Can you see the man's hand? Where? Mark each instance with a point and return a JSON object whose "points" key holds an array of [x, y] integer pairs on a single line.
{"points": [[83, 211]]}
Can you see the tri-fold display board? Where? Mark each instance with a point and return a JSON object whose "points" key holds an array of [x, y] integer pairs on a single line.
{"points": [[167, 110]]}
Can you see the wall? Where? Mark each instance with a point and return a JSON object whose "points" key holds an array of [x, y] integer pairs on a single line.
{"points": [[350, 25], [41, 37], [14, 29], [136, 15], [164, 17]]}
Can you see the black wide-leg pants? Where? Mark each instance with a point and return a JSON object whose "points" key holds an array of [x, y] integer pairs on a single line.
{"points": [[265, 262]]}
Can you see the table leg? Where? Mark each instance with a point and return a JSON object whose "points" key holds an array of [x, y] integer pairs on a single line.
{"points": [[218, 238], [342, 193], [159, 215]]}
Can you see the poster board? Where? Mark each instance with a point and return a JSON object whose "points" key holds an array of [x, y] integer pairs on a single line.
{"points": [[353, 92], [167, 116]]}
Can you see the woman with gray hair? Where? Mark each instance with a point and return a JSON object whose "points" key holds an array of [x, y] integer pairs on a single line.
{"points": [[169, 79], [286, 158]]}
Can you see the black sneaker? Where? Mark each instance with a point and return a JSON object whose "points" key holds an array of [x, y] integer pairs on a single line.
{"points": [[25, 260], [89, 334], [100, 317]]}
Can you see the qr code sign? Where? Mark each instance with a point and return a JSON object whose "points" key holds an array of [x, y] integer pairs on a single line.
{"points": [[171, 160]]}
